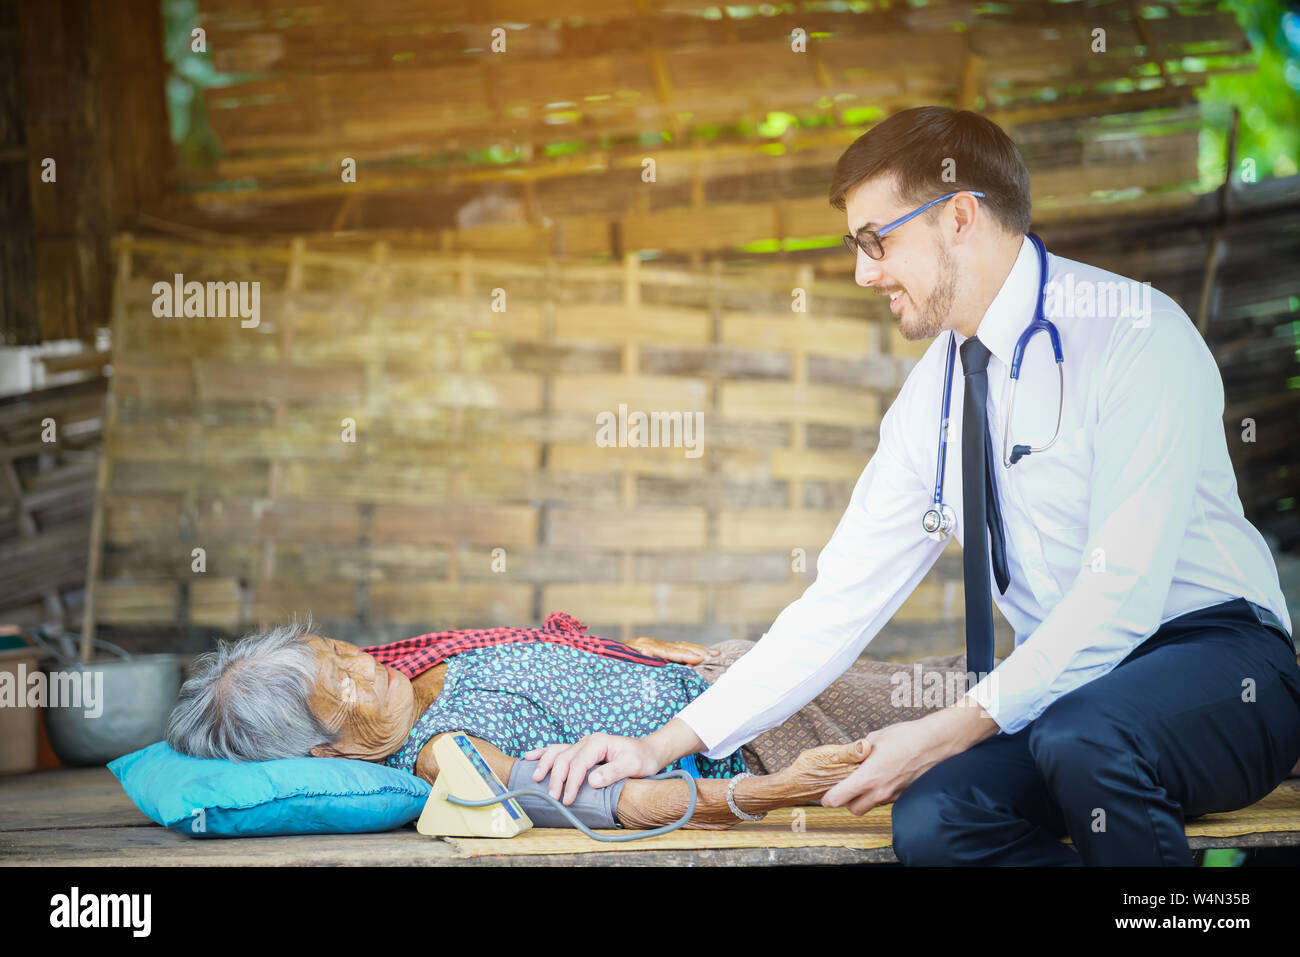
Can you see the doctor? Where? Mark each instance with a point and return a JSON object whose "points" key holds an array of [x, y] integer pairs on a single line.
{"points": [[1153, 676]]}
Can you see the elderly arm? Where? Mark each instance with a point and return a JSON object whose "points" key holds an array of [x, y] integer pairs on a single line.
{"points": [[645, 804]]}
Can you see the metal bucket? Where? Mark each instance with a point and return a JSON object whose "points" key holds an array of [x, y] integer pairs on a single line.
{"points": [[135, 699]]}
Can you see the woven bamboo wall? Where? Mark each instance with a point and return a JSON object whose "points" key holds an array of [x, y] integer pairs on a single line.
{"points": [[476, 431]]}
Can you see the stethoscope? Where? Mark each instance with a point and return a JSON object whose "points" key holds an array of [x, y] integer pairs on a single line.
{"points": [[939, 519]]}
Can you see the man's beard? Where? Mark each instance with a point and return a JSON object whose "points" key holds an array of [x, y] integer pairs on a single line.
{"points": [[931, 315]]}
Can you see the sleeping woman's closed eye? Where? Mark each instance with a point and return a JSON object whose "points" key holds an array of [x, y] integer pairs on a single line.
{"points": [[369, 722]]}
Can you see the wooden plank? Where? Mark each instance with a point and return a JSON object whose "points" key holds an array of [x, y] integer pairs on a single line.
{"points": [[620, 602], [536, 565], [367, 481], [449, 524], [235, 520], [181, 339], [122, 603], [516, 486], [793, 331], [469, 449], [462, 605], [932, 601], [752, 601], [648, 529], [279, 381], [138, 518], [712, 567], [149, 476], [20, 319], [620, 323], [799, 403], [721, 361], [315, 437], [61, 61], [812, 464], [81, 817], [505, 391], [714, 491], [154, 846], [65, 799], [273, 602], [760, 529], [605, 393], [152, 378], [215, 602]]}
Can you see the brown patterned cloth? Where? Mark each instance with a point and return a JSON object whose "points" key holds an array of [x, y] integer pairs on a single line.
{"points": [[863, 699]]}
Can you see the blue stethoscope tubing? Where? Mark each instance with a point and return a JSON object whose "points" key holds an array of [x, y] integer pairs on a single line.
{"points": [[940, 519]]}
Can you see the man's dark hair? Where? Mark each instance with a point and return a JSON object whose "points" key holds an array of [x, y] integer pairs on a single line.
{"points": [[913, 146]]}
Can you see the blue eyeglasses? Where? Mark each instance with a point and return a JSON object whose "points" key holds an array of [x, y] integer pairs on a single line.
{"points": [[868, 240]]}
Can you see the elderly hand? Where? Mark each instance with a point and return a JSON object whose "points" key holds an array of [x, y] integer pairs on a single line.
{"points": [[902, 752], [683, 652]]}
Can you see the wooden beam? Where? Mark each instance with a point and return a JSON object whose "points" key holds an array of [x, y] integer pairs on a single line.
{"points": [[19, 319], [1217, 247]]}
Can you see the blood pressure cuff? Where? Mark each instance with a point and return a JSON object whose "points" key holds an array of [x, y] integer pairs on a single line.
{"points": [[594, 807]]}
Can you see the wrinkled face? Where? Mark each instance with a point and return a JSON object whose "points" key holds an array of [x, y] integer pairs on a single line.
{"points": [[917, 263], [370, 704]]}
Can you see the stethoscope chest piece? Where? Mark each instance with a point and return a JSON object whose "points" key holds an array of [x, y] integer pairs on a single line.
{"points": [[939, 521]]}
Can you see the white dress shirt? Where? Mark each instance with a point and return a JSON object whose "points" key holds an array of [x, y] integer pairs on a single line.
{"points": [[1130, 519]]}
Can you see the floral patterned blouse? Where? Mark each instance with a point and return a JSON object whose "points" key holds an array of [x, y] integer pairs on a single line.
{"points": [[528, 695]]}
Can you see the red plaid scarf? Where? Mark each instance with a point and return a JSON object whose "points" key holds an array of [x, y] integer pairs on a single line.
{"points": [[414, 656]]}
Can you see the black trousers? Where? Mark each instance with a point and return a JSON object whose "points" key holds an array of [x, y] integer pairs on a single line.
{"points": [[1203, 716]]}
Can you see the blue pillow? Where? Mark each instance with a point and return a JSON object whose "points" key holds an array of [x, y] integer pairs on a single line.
{"points": [[205, 797]]}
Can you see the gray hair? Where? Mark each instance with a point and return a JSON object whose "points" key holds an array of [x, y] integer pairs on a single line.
{"points": [[249, 700]]}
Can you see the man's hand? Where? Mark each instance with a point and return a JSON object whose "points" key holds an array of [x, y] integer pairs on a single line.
{"points": [[568, 764], [902, 752], [683, 652]]}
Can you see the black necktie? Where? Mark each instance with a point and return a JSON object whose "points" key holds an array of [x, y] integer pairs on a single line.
{"points": [[981, 514]]}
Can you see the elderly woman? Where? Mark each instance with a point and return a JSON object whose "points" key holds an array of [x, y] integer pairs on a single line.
{"points": [[291, 693]]}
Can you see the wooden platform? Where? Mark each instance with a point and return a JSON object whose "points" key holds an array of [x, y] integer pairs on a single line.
{"points": [[82, 817]]}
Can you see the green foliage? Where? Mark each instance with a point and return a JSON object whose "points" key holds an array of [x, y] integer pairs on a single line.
{"points": [[1269, 98], [192, 73]]}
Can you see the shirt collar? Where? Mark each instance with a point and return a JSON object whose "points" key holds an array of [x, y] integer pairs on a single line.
{"points": [[1012, 309]]}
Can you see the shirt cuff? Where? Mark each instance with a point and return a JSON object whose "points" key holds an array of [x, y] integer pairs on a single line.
{"points": [[1011, 712], [707, 726]]}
